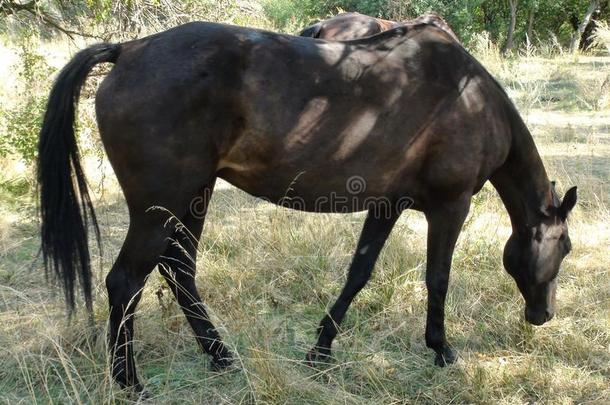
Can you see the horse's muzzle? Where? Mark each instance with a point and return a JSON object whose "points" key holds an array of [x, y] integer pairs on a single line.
{"points": [[538, 317]]}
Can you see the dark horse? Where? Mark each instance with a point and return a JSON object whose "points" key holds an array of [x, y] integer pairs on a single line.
{"points": [[351, 25], [407, 115]]}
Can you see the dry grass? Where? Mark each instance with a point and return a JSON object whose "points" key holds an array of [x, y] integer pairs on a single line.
{"points": [[268, 274], [601, 35]]}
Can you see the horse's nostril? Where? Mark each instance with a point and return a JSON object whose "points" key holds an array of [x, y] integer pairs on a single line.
{"points": [[549, 315]]}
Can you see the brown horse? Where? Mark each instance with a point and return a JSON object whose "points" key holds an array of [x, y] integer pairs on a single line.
{"points": [[406, 118], [346, 26]]}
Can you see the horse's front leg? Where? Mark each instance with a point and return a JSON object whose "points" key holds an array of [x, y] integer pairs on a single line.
{"points": [[444, 225], [377, 228]]}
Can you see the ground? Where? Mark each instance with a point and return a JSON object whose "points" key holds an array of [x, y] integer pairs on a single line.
{"points": [[267, 275]]}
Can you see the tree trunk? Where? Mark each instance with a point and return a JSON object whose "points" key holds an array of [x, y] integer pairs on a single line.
{"points": [[511, 27], [488, 21], [530, 24], [487, 17], [593, 5], [586, 39]]}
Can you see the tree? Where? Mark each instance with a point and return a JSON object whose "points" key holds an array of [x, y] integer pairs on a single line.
{"points": [[510, 35], [531, 15], [601, 13], [577, 34]]}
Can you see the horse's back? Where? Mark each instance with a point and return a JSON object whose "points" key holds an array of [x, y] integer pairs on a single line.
{"points": [[272, 112], [346, 26]]}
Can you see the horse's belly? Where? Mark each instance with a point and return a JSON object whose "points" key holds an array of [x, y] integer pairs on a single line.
{"points": [[325, 188]]}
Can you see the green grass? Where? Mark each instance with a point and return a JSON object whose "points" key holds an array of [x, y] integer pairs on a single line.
{"points": [[268, 274]]}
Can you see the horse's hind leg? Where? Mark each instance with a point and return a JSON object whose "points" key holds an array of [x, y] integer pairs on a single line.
{"points": [[146, 240], [178, 265]]}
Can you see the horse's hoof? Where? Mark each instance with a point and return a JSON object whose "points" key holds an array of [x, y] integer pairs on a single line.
{"points": [[135, 392], [318, 356], [448, 356], [219, 364], [144, 396]]}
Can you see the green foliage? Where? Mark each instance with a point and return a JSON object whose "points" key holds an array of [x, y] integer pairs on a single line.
{"points": [[376, 8], [23, 120], [466, 17], [285, 13], [540, 20], [23, 127]]}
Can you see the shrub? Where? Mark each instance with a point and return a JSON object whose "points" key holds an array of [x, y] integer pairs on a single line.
{"points": [[24, 118]]}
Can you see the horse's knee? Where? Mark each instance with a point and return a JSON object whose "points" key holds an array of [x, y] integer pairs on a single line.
{"points": [[358, 279], [123, 287], [438, 283], [177, 269], [115, 280]]}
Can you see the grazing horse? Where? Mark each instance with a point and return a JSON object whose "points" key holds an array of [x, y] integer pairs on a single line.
{"points": [[352, 25], [320, 126]]}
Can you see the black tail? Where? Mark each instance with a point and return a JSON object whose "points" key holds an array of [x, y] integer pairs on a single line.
{"points": [[65, 205]]}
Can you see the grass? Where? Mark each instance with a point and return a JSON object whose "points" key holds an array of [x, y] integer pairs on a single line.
{"points": [[268, 274]]}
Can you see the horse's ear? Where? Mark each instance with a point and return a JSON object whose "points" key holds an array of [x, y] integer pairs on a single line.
{"points": [[553, 209], [569, 201], [313, 31]]}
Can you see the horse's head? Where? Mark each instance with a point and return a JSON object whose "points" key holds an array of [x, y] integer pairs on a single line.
{"points": [[533, 255]]}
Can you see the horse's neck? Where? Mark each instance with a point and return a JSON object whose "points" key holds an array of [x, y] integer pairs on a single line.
{"points": [[522, 181]]}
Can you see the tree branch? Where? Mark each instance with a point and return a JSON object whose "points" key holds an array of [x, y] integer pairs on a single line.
{"points": [[32, 7], [12, 7]]}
